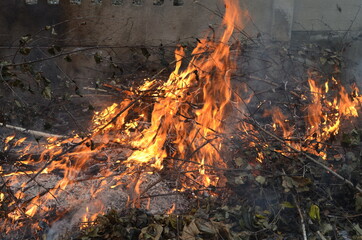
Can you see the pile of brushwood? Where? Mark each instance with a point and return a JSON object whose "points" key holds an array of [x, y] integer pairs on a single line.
{"points": [[285, 197]]}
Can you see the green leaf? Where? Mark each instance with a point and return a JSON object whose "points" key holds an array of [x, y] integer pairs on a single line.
{"points": [[287, 205], [314, 213]]}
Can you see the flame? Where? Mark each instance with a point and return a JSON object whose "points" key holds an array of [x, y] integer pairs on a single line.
{"points": [[178, 123], [183, 120], [172, 209], [323, 117]]}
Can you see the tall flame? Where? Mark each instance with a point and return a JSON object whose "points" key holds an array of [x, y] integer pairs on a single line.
{"points": [[183, 122]]}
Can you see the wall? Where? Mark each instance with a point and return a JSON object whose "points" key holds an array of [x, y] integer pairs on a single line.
{"points": [[136, 23]]}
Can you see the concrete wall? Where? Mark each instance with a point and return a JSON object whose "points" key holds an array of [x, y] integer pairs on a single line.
{"points": [[135, 23], [155, 21]]}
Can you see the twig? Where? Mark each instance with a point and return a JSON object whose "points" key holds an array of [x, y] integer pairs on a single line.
{"points": [[51, 57], [308, 157], [321, 235], [32, 132], [301, 219]]}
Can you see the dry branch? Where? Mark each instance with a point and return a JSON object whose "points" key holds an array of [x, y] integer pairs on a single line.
{"points": [[32, 132]]}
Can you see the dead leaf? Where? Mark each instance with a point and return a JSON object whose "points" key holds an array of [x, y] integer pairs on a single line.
{"points": [[190, 231], [151, 232], [260, 179]]}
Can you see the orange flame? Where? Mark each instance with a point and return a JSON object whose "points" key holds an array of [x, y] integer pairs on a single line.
{"points": [[186, 115]]}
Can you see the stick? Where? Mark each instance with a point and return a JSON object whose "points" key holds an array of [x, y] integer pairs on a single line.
{"points": [[32, 132], [309, 158], [321, 235], [301, 219]]}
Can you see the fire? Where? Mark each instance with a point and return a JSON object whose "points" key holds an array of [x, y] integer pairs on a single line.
{"points": [[323, 116], [181, 125], [172, 209]]}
